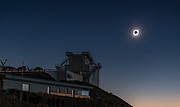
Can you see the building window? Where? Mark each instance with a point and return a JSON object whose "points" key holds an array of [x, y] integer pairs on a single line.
{"points": [[86, 93], [66, 91], [73, 92], [58, 90], [25, 87], [48, 90], [79, 92]]}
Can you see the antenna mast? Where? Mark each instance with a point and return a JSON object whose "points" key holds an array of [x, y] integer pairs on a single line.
{"points": [[3, 63]]}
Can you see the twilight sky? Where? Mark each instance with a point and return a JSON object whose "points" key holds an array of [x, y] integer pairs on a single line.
{"points": [[144, 71]]}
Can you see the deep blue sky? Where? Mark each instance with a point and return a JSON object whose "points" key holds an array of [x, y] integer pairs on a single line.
{"points": [[39, 32]]}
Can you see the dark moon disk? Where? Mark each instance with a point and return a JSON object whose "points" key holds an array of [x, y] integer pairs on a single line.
{"points": [[135, 32]]}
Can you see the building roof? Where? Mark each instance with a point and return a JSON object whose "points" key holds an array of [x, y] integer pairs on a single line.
{"points": [[40, 75]]}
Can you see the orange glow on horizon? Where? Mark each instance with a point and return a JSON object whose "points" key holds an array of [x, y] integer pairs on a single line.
{"points": [[158, 102]]}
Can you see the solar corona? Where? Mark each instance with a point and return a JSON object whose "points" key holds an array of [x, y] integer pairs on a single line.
{"points": [[135, 33]]}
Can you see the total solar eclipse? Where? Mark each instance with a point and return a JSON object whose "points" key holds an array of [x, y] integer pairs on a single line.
{"points": [[135, 32]]}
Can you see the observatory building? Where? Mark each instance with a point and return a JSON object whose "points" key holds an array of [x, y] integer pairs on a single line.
{"points": [[76, 67], [79, 67], [71, 78]]}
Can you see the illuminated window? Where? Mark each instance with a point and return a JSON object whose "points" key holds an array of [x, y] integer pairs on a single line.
{"points": [[25, 87], [86, 93], [73, 92], [58, 90], [66, 91], [48, 90], [79, 92]]}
